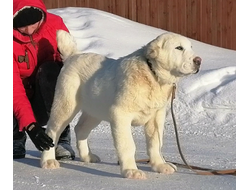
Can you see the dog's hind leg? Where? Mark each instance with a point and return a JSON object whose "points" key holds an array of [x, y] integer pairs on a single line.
{"points": [[65, 106], [84, 126], [154, 136]]}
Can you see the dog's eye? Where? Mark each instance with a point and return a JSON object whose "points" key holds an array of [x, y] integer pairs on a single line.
{"points": [[179, 48]]}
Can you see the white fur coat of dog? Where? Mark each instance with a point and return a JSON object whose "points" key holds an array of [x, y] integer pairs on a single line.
{"points": [[134, 90]]}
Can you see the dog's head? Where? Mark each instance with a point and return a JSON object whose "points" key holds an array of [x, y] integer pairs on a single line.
{"points": [[172, 53]]}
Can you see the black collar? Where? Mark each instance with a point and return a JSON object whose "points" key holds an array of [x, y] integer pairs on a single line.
{"points": [[150, 66]]}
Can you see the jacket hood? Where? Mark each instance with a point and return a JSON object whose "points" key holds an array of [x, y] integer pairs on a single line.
{"points": [[20, 4]]}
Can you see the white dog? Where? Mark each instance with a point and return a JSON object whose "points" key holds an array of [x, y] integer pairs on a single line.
{"points": [[132, 91]]}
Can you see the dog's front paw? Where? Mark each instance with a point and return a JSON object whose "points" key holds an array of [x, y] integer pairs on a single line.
{"points": [[134, 174], [166, 168], [50, 164], [92, 158]]}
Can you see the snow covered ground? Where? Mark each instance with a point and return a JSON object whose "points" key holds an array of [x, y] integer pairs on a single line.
{"points": [[205, 109]]}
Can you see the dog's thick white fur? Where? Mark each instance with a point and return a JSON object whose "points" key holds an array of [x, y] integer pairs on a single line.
{"points": [[134, 90]]}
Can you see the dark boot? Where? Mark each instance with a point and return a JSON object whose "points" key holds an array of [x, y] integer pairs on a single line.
{"points": [[19, 140], [64, 149]]}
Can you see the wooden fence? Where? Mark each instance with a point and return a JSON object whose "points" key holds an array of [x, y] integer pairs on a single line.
{"points": [[208, 21]]}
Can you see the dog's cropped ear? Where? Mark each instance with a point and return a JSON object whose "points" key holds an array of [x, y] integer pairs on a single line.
{"points": [[152, 50]]}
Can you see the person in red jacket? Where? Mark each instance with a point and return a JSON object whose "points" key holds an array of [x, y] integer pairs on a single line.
{"points": [[36, 65]]}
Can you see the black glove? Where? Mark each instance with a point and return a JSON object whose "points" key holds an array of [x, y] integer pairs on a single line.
{"points": [[40, 139]]}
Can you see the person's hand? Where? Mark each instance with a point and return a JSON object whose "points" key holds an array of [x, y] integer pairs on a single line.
{"points": [[40, 139]]}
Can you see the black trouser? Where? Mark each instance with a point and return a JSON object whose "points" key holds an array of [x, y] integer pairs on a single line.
{"points": [[42, 99]]}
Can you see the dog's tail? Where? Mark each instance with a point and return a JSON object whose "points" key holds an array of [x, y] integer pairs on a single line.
{"points": [[66, 44]]}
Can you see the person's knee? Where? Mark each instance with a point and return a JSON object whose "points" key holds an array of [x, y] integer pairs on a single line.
{"points": [[47, 75], [46, 82], [48, 70]]}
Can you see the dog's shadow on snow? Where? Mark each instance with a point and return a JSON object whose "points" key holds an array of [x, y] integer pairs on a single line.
{"points": [[76, 165]]}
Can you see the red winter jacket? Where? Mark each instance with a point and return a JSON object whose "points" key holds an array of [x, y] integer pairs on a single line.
{"points": [[40, 47]]}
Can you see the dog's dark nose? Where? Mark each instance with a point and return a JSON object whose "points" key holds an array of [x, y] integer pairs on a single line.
{"points": [[197, 61]]}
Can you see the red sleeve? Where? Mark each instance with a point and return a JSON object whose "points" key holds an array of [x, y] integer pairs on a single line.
{"points": [[21, 105], [63, 26]]}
